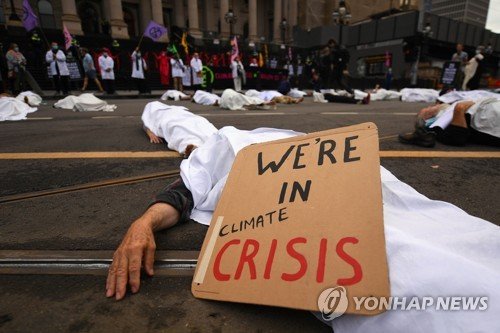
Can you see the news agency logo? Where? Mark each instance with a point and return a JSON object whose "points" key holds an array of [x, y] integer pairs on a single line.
{"points": [[332, 302]]}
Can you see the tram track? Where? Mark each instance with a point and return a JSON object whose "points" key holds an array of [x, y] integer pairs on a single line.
{"points": [[42, 262]]}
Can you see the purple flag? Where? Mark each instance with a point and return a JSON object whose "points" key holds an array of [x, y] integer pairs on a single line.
{"points": [[30, 21], [155, 31]]}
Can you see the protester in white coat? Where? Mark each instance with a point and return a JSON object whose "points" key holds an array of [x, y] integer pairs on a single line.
{"points": [[58, 69], [139, 66], [238, 73], [106, 66], [196, 68], [177, 71]]}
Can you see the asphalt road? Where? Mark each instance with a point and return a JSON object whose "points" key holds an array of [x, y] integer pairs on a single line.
{"points": [[96, 219]]}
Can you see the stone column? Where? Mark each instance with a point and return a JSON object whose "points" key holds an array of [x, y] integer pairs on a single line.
{"points": [[157, 16], [179, 19], [70, 17], [278, 16], [224, 27], [144, 14], [292, 17], [194, 24], [252, 20], [118, 26], [210, 16]]}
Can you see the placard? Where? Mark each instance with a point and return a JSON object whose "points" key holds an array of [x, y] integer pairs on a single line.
{"points": [[296, 217]]}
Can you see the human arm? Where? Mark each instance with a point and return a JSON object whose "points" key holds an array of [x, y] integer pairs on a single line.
{"points": [[60, 56], [49, 57], [170, 206]]}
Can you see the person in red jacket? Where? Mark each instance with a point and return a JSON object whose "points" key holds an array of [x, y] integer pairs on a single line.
{"points": [[163, 65]]}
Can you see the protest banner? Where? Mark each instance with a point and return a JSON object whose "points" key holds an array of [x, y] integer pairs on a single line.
{"points": [[298, 216]]}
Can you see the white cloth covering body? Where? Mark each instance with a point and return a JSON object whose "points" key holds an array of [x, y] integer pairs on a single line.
{"points": [[296, 93], [84, 102], [104, 64], [33, 99], [419, 95], [233, 100], [60, 59], [176, 95], [14, 109], [266, 95], [205, 98], [433, 248], [138, 73], [177, 125], [473, 95], [196, 66], [385, 95]]}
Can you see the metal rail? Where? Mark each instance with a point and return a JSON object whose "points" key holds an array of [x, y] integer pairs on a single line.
{"points": [[88, 186], [167, 263]]}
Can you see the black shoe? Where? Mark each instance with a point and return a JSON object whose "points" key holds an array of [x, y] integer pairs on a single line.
{"points": [[419, 138]]}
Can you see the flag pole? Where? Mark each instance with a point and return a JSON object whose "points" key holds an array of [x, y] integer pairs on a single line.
{"points": [[140, 40]]}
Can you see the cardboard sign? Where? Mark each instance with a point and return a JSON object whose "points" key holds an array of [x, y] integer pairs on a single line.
{"points": [[449, 72], [298, 216]]}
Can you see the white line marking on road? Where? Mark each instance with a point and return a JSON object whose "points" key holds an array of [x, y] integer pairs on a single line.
{"points": [[40, 118], [339, 113]]}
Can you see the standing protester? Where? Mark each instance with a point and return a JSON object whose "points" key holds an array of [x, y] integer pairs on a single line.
{"points": [[238, 73], [139, 67], [340, 59], [89, 70], [196, 68], [461, 57], [17, 73], [326, 63], [177, 71], [58, 68], [106, 65], [474, 70], [163, 65]]}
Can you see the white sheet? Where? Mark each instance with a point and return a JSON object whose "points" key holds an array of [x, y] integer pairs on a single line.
{"points": [[176, 95], [296, 93], [84, 102], [266, 95], [205, 98], [233, 100], [473, 95], [319, 97], [206, 169], [419, 95], [385, 95], [14, 109], [485, 116], [33, 99], [177, 125]]}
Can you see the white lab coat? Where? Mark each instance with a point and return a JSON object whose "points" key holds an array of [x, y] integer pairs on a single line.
{"points": [[196, 66], [61, 63], [138, 73], [105, 63], [234, 68], [177, 67]]}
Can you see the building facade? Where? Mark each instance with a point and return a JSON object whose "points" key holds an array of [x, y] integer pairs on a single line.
{"points": [[468, 11], [256, 20]]}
